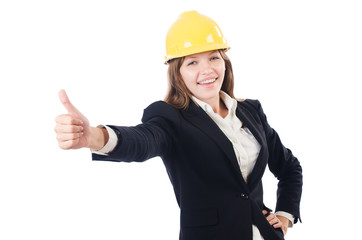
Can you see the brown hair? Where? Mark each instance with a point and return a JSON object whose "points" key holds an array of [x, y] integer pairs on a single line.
{"points": [[178, 94]]}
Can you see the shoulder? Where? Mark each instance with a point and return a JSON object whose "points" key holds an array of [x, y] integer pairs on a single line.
{"points": [[250, 104], [254, 107], [160, 109]]}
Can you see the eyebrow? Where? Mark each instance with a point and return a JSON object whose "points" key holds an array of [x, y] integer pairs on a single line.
{"points": [[211, 52]]}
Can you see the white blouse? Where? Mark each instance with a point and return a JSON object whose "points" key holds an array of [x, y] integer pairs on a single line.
{"points": [[246, 147]]}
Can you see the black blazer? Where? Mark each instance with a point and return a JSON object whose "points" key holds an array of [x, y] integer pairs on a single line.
{"points": [[215, 201]]}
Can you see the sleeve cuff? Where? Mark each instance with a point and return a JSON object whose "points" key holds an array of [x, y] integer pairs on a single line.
{"points": [[110, 145], [286, 215]]}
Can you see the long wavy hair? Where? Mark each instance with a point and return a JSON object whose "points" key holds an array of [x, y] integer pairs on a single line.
{"points": [[178, 94]]}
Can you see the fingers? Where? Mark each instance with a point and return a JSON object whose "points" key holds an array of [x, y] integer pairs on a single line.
{"points": [[69, 130], [66, 145], [66, 119], [273, 219], [67, 124], [69, 136], [276, 223]]}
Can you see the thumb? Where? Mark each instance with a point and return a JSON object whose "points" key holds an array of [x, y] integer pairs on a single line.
{"points": [[67, 104]]}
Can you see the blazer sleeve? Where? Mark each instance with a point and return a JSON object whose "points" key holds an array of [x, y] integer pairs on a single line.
{"points": [[286, 168], [147, 140]]}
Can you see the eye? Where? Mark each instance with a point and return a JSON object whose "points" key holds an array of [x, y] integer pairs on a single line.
{"points": [[214, 58], [191, 63]]}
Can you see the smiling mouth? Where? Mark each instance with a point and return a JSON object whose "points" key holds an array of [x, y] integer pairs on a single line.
{"points": [[207, 81]]}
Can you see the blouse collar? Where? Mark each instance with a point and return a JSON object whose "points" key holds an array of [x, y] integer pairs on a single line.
{"points": [[229, 102]]}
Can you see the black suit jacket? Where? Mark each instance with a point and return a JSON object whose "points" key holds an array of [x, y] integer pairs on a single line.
{"points": [[215, 201]]}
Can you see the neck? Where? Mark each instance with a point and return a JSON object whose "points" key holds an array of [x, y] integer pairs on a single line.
{"points": [[218, 106]]}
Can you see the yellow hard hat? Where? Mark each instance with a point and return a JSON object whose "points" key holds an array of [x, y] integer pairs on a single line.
{"points": [[193, 33]]}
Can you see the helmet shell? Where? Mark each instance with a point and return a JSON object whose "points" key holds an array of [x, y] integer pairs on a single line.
{"points": [[193, 33]]}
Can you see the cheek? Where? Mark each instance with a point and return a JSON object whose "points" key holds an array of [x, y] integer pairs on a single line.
{"points": [[188, 78], [222, 71], [222, 68]]}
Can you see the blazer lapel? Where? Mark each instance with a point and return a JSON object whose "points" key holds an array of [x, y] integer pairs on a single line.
{"points": [[198, 117], [249, 122]]}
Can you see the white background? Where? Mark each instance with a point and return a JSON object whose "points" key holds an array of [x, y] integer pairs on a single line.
{"points": [[301, 59]]}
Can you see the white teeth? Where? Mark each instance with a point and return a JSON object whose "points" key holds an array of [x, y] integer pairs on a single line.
{"points": [[208, 81]]}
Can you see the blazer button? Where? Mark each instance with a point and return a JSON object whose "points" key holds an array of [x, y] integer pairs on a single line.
{"points": [[244, 196]]}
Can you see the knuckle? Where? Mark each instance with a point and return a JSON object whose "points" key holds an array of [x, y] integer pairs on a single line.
{"points": [[73, 128], [73, 136], [70, 120], [73, 142], [74, 121]]}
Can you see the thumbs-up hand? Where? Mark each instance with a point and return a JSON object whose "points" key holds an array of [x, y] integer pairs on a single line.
{"points": [[72, 129]]}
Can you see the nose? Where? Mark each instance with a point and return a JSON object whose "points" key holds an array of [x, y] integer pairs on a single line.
{"points": [[206, 68]]}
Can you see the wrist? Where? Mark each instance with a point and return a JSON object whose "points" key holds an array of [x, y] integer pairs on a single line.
{"points": [[98, 138]]}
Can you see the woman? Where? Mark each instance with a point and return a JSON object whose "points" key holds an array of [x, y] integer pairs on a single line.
{"points": [[215, 148]]}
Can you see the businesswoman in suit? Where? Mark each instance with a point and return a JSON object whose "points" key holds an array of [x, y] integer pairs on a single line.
{"points": [[215, 148]]}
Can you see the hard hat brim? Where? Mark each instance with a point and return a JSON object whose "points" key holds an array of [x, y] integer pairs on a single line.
{"points": [[198, 50]]}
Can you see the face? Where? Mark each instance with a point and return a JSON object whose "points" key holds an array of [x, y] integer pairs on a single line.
{"points": [[203, 74]]}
